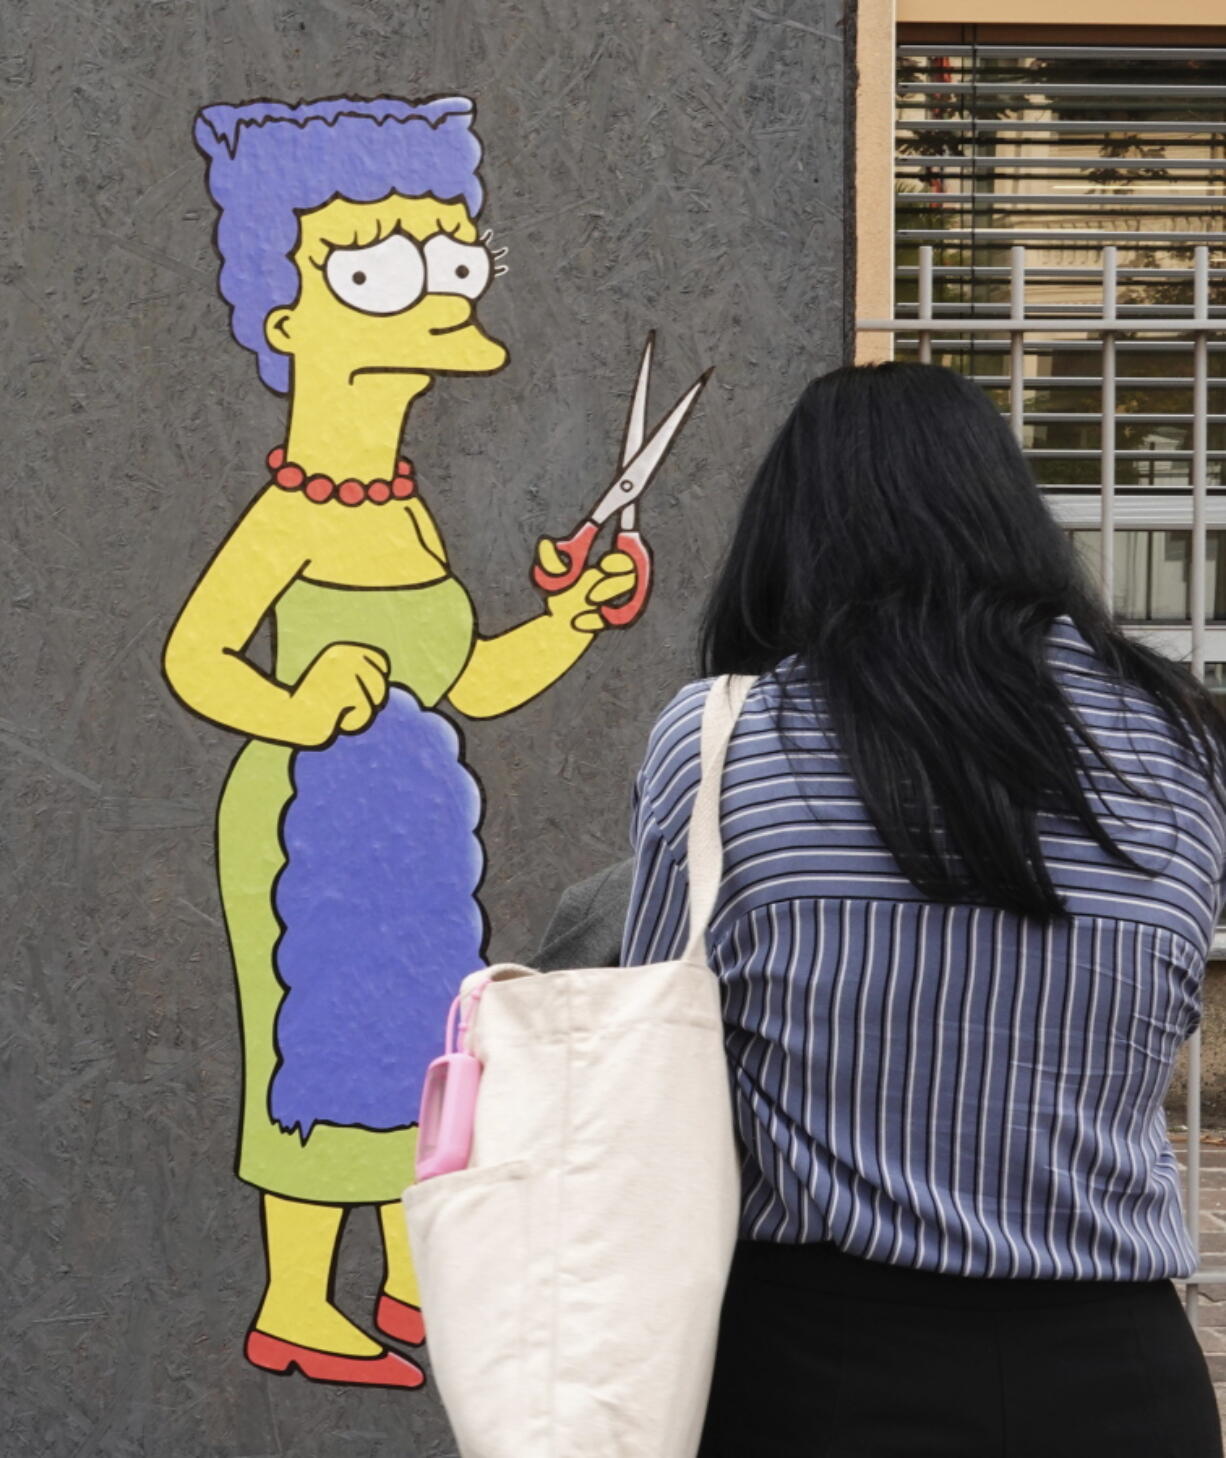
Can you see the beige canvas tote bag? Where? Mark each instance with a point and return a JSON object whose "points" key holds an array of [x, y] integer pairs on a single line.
{"points": [[572, 1275]]}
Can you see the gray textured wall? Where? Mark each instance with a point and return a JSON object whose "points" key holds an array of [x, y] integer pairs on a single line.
{"points": [[650, 164]]}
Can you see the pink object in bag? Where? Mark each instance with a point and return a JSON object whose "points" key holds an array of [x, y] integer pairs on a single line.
{"points": [[449, 1100]]}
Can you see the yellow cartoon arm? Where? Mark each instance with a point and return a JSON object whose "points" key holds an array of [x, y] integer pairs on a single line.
{"points": [[204, 658], [505, 672]]}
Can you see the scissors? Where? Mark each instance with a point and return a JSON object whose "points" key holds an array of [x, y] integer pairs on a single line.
{"points": [[640, 460]]}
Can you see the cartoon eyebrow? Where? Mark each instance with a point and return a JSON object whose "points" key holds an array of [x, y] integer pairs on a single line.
{"points": [[331, 244], [359, 240]]}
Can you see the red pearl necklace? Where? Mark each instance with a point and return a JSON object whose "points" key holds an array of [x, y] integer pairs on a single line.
{"points": [[291, 477]]}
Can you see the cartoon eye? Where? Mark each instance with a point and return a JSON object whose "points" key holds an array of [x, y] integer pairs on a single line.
{"points": [[456, 268], [382, 278]]}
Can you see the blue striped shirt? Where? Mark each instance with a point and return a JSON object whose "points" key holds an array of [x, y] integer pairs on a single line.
{"points": [[949, 1087]]}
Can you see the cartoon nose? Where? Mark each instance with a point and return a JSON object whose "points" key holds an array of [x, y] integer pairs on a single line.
{"points": [[447, 311]]}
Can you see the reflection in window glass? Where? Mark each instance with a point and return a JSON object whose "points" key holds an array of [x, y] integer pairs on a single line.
{"points": [[1087, 547], [1168, 576], [1215, 586], [1215, 682], [1131, 575], [1065, 151], [1153, 571]]}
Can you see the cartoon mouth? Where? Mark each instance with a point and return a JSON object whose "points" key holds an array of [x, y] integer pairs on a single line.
{"points": [[384, 370], [451, 328]]}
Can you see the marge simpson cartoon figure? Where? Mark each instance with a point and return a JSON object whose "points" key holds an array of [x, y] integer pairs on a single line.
{"points": [[347, 831]]}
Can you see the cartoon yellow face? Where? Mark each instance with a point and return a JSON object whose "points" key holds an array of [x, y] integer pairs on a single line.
{"points": [[388, 288]]}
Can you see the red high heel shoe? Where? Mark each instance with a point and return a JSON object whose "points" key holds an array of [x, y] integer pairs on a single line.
{"points": [[399, 1320], [388, 1369]]}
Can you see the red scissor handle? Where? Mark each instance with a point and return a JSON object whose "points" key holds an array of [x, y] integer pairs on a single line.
{"points": [[622, 614], [576, 550]]}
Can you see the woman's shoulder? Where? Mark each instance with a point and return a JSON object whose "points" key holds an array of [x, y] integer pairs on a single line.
{"points": [[678, 726], [674, 745], [1067, 649], [1095, 689]]}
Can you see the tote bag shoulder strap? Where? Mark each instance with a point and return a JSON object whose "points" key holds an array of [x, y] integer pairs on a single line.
{"points": [[705, 854]]}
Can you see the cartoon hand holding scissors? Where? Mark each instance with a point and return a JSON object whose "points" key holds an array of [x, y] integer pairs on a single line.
{"points": [[561, 563]]}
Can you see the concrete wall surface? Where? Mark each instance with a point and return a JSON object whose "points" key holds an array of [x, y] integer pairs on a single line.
{"points": [[677, 166]]}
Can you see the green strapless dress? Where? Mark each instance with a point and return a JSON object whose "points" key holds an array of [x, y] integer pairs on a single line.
{"points": [[427, 633]]}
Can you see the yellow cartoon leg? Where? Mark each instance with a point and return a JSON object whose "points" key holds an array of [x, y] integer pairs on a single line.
{"points": [[398, 1309], [399, 1277], [400, 1280], [301, 1240]]}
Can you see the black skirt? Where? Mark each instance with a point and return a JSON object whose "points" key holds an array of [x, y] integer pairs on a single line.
{"points": [[824, 1355]]}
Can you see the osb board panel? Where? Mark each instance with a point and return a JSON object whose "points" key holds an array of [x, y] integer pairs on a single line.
{"points": [[677, 166]]}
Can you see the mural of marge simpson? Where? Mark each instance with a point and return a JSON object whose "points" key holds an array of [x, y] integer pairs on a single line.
{"points": [[347, 832]]}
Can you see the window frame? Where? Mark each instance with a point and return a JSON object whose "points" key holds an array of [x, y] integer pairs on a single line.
{"points": [[880, 24]]}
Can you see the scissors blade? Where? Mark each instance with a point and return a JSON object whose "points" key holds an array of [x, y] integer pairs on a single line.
{"points": [[637, 473], [636, 421]]}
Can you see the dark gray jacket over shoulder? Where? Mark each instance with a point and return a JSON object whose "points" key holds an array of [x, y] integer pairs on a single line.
{"points": [[586, 929]]}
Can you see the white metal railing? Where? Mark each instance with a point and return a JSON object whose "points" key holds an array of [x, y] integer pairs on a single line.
{"points": [[1101, 331]]}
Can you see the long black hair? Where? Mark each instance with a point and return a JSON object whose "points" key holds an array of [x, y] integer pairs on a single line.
{"points": [[895, 547]]}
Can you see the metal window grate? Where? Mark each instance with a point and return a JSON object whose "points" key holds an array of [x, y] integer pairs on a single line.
{"points": [[1060, 238], [1071, 150], [1026, 329]]}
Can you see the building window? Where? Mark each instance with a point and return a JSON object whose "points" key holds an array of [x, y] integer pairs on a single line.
{"points": [[1215, 682], [1068, 148], [1152, 574]]}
